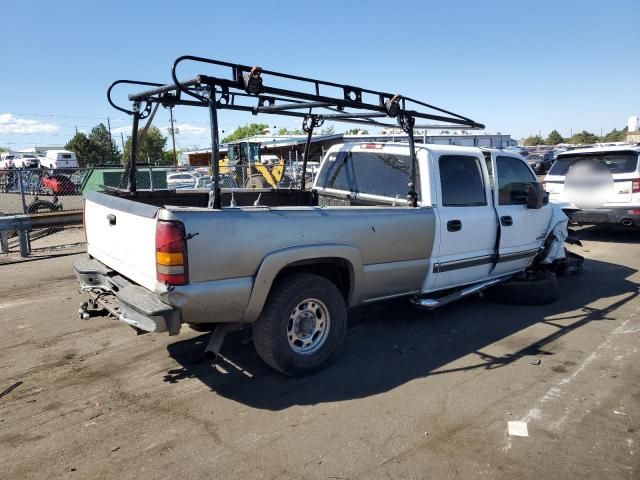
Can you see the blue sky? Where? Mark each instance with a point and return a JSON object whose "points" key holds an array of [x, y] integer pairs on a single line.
{"points": [[519, 67]]}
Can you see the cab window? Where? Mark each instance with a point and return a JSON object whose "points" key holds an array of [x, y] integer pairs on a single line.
{"points": [[514, 181], [461, 181], [381, 174]]}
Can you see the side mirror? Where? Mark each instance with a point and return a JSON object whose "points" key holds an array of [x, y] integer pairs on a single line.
{"points": [[537, 197]]}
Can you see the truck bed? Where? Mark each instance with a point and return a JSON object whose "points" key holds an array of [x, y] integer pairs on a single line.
{"points": [[233, 243]]}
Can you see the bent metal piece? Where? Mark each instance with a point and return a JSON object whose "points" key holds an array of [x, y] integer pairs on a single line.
{"points": [[256, 90]]}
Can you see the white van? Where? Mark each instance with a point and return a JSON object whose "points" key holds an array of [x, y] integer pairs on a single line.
{"points": [[622, 205], [59, 159]]}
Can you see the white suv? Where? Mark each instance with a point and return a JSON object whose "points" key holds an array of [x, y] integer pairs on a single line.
{"points": [[623, 203]]}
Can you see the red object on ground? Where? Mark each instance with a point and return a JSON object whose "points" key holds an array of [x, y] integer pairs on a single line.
{"points": [[59, 184]]}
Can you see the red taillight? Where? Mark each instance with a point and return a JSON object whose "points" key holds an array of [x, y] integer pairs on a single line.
{"points": [[635, 185], [171, 253]]}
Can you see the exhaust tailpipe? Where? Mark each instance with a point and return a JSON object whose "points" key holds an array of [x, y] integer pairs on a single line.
{"points": [[626, 222]]}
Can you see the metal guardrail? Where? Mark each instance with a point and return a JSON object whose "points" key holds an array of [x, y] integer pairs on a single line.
{"points": [[23, 224]]}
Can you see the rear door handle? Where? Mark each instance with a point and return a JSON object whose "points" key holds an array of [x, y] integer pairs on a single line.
{"points": [[454, 225], [112, 219], [506, 221]]}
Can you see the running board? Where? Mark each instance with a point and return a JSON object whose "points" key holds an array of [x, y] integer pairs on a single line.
{"points": [[433, 303]]}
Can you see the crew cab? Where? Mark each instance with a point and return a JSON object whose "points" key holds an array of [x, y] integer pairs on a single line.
{"points": [[292, 262]]}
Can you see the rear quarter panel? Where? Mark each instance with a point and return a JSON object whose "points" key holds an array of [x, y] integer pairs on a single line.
{"points": [[395, 243]]}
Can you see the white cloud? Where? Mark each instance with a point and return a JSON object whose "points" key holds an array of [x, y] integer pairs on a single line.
{"points": [[181, 128], [118, 130], [10, 124], [187, 128]]}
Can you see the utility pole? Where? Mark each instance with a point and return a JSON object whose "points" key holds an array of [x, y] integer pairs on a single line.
{"points": [[122, 140], [76, 129], [173, 136], [109, 127]]}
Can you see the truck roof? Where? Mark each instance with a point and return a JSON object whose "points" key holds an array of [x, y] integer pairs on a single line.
{"points": [[429, 146], [58, 151]]}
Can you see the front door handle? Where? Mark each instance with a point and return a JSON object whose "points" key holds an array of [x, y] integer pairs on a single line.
{"points": [[454, 225], [112, 219], [506, 221]]}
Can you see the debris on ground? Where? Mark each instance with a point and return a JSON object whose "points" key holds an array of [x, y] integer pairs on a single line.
{"points": [[11, 388], [518, 429]]}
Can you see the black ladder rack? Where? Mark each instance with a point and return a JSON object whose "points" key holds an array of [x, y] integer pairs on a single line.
{"points": [[256, 90]]}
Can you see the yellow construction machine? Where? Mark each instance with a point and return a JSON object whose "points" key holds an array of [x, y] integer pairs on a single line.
{"points": [[251, 169]]}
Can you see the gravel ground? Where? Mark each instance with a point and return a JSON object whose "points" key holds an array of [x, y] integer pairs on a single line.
{"points": [[412, 395]]}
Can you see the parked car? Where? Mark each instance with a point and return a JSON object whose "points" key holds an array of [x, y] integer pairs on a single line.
{"points": [[56, 159], [294, 268], [540, 161], [182, 180], [518, 149], [226, 181], [7, 161], [59, 185], [622, 204], [26, 160]]}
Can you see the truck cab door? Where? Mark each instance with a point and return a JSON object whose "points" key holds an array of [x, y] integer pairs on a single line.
{"points": [[522, 229], [467, 222]]}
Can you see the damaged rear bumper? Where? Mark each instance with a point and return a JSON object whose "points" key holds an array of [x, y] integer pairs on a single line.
{"points": [[130, 303]]}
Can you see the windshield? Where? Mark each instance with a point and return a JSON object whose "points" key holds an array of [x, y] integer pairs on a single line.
{"points": [[618, 162]]}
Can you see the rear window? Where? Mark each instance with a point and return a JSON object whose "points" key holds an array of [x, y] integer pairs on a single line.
{"points": [[373, 173], [66, 156], [623, 162]]}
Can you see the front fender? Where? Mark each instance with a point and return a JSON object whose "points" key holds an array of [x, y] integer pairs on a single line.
{"points": [[273, 264]]}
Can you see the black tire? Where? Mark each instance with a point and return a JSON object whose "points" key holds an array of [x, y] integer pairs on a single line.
{"points": [[256, 181], [203, 327], [42, 206], [539, 290], [272, 332]]}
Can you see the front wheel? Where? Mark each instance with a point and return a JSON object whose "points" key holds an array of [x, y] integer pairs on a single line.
{"points": [[538, 288], [303, 323]]}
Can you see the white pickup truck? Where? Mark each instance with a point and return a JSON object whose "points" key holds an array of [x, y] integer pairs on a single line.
{"points": [[292, 262]]}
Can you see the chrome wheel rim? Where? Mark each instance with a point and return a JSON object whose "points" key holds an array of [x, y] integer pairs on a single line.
{"points": [[308, 326]]}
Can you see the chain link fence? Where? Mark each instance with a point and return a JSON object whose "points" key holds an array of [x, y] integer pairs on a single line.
{"points": [[38, 192]]}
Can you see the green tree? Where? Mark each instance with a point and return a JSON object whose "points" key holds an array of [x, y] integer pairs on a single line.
{"points": [[150, 147], [105, 150], [584, 138], [534, 140], [169, 159], [286, 131], [81, 146], [356, 131], [616, 135], [328, 130], [554, 138], [247, 131]]}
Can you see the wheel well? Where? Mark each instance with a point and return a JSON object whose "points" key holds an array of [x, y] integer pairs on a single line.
{"points": [[337, 270]]}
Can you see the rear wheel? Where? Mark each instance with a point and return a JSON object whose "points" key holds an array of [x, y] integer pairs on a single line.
{"points": [[303, 323]]}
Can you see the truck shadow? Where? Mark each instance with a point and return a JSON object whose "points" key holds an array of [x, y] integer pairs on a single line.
{"points": [[391, 343], [609, 233]]}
